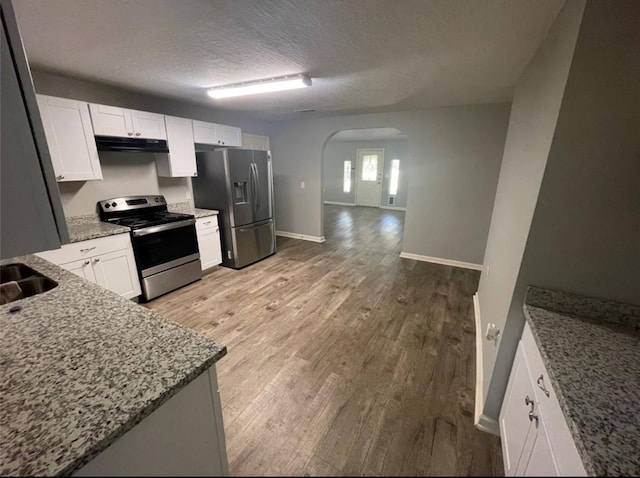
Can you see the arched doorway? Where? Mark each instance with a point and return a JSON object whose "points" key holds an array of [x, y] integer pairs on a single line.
{"points": [[364, 188]]}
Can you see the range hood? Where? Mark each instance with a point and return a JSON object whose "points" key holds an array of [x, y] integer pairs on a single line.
{"points": [[131, 145]]}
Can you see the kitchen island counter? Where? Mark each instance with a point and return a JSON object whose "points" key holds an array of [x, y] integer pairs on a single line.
{"points": [[590, 348], [81, 366]]}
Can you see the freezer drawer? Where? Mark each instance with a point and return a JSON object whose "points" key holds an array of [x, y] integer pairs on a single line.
{"points": [[250, 244]]}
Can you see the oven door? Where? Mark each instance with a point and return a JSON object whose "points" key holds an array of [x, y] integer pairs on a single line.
{"points": [[163, 247]]}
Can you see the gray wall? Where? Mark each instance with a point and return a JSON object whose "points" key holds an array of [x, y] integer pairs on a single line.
{"points": [[453, 159], [585, 233], [337, 152], [126, 174], [123, 175], [534, 112]]}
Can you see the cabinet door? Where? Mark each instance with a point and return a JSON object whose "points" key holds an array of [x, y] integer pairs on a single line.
{"points": [[111, 121], [82, 268], [255, 142], [181, 160], [514, 419], [67, 126], [228, 135], [117, 272], [148, 125], [204, 133], [541, 461], [209, 246]]}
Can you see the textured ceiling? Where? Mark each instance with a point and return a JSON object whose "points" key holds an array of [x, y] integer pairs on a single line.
{"points": [[363, 55], [368, 134]]}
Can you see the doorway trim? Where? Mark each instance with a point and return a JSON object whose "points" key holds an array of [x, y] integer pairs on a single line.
{"points": [[355, 197]]}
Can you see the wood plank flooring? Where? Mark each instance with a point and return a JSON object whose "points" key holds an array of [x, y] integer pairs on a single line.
{"points": [[343, 358]]}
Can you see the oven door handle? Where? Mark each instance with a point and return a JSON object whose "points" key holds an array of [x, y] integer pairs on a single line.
{"points": [[163, 227]]}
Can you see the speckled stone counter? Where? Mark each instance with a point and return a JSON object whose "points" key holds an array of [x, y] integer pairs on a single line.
{"points": [[81, 366], [185, 208], [591, 348], [83, 228]]}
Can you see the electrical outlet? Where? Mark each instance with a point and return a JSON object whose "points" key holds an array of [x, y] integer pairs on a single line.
{"points": [[302, 185], [188, 194], [493, 332]]}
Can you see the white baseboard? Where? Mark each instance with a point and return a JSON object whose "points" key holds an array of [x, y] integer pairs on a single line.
{"points": [[481, 421], [304, 237], [394, 208], [487, 425], [339, 203], [438, 260]]}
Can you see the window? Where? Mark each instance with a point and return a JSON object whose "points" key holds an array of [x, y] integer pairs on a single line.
{"points": [[395, 175], [369, 167], [346, 181]]}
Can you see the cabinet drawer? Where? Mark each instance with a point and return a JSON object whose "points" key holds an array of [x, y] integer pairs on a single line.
{"points": [[209, 222], [80, 250], [560, 437]]}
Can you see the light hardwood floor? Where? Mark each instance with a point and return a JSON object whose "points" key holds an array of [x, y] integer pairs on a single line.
{"points": [[344, 359]]}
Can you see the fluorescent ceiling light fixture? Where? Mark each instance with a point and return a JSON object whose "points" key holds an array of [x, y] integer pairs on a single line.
{"points": [[260, 86]]}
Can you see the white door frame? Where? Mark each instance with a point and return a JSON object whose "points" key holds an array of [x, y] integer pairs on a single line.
{"points": [[355, 196]]}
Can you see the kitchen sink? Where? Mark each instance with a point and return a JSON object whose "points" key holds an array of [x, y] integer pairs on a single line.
{"points": [[18, 281]]}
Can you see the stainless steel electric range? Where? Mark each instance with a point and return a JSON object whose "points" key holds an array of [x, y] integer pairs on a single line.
{"points": [[164, 243]]}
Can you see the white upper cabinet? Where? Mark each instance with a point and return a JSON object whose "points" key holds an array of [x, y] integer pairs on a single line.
{"points": [[181, 160], [255, 142], [148, 125], [111, 121], [216, 134], [123, 122], [204, 133], [69, 133], [229, 135]]}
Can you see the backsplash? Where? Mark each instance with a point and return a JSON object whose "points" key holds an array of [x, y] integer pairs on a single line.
{"points": [[124, 175]]}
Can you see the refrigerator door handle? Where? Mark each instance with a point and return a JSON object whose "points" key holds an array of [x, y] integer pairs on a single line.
{"points": [[255, 168], [254, 226], [253, 189]]}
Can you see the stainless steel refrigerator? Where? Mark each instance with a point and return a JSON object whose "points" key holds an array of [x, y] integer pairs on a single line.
{"points": [[239, 184]]}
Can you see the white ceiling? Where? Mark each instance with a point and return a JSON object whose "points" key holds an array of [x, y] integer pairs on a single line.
{"points": [[363, 55], [369, 134]]}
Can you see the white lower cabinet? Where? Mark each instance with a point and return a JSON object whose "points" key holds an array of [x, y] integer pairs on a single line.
{"points": [[208, 234], [536, 440], [183, 437], [106, 261]]}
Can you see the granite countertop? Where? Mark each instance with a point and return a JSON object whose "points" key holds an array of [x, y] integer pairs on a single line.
{"points": [[186, 208], [83, 228], [89, 226], [591, 348], [80, 367]]}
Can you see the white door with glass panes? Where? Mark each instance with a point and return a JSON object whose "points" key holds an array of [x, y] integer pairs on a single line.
{"points": [[369, 177]]}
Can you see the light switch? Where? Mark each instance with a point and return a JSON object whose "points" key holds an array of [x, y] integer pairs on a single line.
{"points": [[302, 185]]}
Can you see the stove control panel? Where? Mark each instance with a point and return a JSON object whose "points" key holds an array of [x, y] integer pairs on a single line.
{"points": [[130, 203]]}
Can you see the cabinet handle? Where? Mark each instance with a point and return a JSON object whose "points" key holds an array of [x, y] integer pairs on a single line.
{"points": [[137, 134], [541, 386], [88, 249], [60, 177], [532, 415], [206, 222], [217, 229], [97, 259], [130, 134], [87, 262], [195, 174]]}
